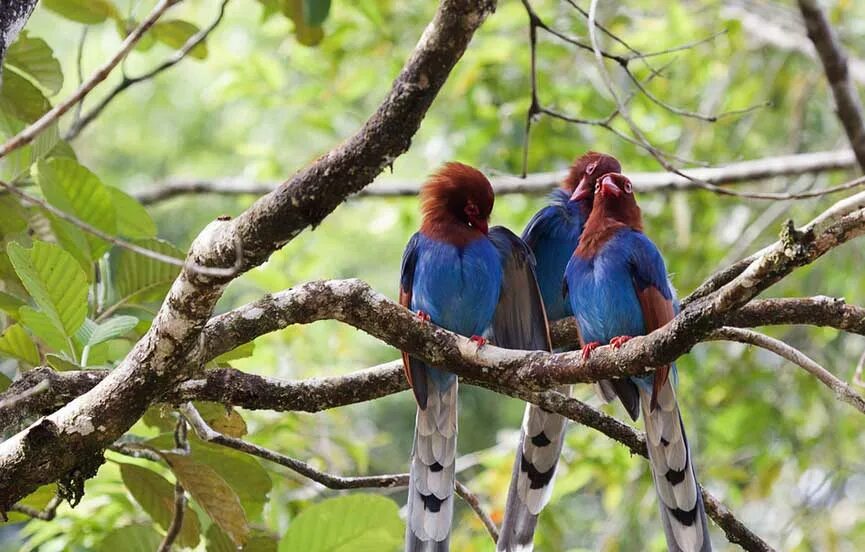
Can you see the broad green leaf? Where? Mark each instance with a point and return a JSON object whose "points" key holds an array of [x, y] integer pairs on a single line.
{"points": [[158, 416], [175, 33], [75, 190], [140, 279], [15, 167], [10, 304], [33, 57], [306, 34], [21, 99], [12, 221], [353, 523], [16, 343], [155, 494], [222, 419], [244, 351], [83, 11], [315, 12], [131, 538], [55, 281], [5, 382], [42, 327], [212, 493], [61, 364], [133, 220], [259, 541], [244, 473], [92, 333]]}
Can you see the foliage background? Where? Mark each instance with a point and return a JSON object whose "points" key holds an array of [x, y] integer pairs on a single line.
{"points": [[781, 452]]}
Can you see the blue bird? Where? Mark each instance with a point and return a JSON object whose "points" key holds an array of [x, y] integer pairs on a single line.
{"points": [[618, 288], [553, 234], [461, 275]]}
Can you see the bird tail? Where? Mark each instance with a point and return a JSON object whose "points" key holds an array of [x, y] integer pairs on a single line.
{"points": [[682, 510], [431, 480], [541, 439]]}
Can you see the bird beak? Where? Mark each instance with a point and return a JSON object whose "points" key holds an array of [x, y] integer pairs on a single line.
{"points": [[583, 190], [609, 188], [480, 224]]}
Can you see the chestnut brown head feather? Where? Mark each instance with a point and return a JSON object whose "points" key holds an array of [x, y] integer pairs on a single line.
{"points": [[456, 202], [585, 172], [614, 207]]}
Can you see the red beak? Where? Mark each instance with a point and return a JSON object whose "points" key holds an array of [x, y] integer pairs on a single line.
{"points": [[481, 224], [609, 188], [582, 191]]}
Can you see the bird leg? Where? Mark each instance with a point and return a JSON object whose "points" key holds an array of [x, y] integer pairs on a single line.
{"points": [[423, 316], [617, 342], [478, 340], [588, 348]]}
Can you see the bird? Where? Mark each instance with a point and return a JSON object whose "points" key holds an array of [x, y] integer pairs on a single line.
{"points": [[618, 288], [552, 234], [476, 281]]}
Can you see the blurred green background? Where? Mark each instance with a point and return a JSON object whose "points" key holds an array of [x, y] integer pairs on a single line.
{"points": [[768, 439]]}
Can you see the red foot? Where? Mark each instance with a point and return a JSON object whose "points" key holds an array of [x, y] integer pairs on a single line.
{"points": [[423, 316], [617, 342], [589, 348], [478, 340]]}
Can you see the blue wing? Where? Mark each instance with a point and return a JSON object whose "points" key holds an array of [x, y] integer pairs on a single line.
{"points": [[414, 368]]}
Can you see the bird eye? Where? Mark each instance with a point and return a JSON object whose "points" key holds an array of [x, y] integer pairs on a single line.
{"points": [[591, 168], [628, 187], [597, 186]]}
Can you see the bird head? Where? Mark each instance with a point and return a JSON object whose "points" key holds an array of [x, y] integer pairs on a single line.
{"points": [[585, 171], [614, 199], [460, 194]]}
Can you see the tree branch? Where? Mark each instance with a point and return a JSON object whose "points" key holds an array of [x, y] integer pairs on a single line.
{"points": [[69, 443], [834, 59], [542, 183]]}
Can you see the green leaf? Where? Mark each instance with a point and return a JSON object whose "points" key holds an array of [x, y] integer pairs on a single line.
{"points": [[61, 364], [37, 500], [259, 541], [133, 220], [10, 304], [315, 12], [42, 327], [353, 523], [175, 33], [20, 98], [16, 165], [244, 351], [5, 382], [140, 278], [244, 473], [73, 189], [212, 493], [55, 281], [16, 343], [131, 538], [92, 333], [306, 34], [33, 58], [83, 11], [223, 419], [155, 494]]}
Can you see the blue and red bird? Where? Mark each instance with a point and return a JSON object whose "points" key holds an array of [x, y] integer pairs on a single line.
{"points": [[553, 234], [618, 288], [465, 277]]}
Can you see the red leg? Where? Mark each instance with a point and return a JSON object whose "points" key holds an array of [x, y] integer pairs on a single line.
{"points": [[617, 342], [423, 316], [588, 348], [480, 341]]}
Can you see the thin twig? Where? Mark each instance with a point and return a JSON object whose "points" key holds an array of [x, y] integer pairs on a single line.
{"points": [[47, 514], [842, 391], [36, 389], [857, 374], [155, 255], [474, 503], [32, 131], [173, 532], [173, 60]]}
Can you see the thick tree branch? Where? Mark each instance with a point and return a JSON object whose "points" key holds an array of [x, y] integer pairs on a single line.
{"points": [[69, 443], [541, 183], [834, 59]]}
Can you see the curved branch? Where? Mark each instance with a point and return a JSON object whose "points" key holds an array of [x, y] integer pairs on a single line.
{"points": [[69, 443]]}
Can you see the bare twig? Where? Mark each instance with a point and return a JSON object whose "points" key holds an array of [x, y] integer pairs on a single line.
{"points": [[834, 59], [181, 442], [857, 373], [32, 131], [11, 401], [474, 503], [119, 242], [542, 183], [193, 41], [842, 391], [48, 514]]}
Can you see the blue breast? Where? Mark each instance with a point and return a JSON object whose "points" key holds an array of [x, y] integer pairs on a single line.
{"points": [[553, 234], [457, 286], [601, 291]]}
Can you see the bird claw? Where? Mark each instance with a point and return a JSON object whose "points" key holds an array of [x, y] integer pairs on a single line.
{"points": [[589, 348], [478, 340], [617, 342], [423, 316]]}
